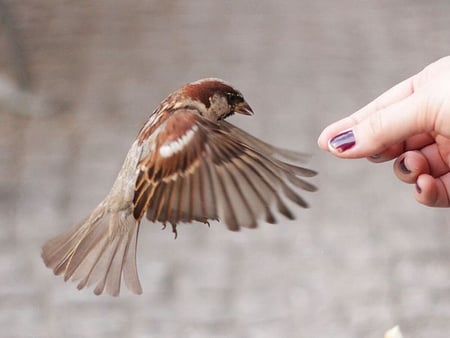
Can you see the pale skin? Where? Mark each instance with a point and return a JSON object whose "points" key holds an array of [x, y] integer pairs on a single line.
{"points": [[409, 123]]}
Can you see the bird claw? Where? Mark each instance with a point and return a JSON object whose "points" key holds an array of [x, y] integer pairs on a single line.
{"points": [[174, 230]]}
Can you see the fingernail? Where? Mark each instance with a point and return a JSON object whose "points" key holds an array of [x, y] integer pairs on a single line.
{"points": [[418, 189], [403, 167], [342, 141]]}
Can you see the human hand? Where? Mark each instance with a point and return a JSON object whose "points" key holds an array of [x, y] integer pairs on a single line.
{"points": [[409, 122]]}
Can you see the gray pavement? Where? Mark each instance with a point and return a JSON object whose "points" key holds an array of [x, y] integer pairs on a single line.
{"points": [[365, 257]]}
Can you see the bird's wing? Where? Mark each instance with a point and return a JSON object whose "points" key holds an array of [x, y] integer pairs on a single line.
{"points": [[201, 170], [266, 148]]}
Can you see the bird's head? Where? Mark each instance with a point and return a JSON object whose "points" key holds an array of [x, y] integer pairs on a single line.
{"points": [[216, 99]]}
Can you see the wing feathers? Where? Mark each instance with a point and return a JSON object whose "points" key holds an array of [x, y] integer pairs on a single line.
{"points": [[302, 184], [225, 211], [263, 147], [209, 192], [260, 201], [246, 196], [218, 172]]}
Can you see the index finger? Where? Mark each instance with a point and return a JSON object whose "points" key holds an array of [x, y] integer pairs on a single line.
{"points": [[396, 94], [393, 95]]}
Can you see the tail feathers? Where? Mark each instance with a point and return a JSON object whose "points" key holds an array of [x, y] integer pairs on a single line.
{"points": [[98, 251]]}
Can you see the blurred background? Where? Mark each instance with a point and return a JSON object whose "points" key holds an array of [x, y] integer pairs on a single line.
{"points": [[79, 78]]}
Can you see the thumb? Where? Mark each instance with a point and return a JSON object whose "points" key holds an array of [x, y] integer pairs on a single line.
{"points": [[383, 128]]}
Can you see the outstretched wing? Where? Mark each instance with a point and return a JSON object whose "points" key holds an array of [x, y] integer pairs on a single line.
{"points": [[201, 170]]}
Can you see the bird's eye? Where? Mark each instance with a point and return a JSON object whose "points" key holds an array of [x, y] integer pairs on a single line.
{"points": [[234, 98]]}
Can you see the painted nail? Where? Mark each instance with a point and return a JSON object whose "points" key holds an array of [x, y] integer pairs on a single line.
{"points": [[418, 189], [404, 169], [342, 141]]}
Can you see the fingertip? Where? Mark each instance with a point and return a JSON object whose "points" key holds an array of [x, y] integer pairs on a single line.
{"points": [[425, 190], [343, 141], [350, 143], [341, 144], [368, 137], [324, 139], [409, 166], [330, 133], [322, 142], [431, 191], [404, 168]]}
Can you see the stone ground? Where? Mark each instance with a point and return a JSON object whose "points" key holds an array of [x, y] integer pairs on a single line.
{"points": [[363, 258]]}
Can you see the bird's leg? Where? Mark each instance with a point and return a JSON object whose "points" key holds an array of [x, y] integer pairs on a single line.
{"points": [[174, 230]]}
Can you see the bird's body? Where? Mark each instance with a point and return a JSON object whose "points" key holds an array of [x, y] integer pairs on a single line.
{"points": [[187, 164]]}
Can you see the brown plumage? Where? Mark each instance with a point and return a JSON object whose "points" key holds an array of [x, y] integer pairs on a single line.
{"points": [[187, 164]]}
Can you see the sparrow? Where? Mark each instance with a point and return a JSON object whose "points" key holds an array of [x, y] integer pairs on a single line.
{"points": [[187, 164]]}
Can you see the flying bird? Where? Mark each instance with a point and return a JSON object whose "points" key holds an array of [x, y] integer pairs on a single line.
{"points": [[187, 164]]}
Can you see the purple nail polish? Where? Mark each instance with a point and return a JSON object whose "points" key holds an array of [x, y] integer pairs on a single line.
{"points": [[403, 167], [343, 141], [418, 189]]}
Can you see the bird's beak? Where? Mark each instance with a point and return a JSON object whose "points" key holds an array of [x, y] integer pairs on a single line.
{"points": [[243, 108]]}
